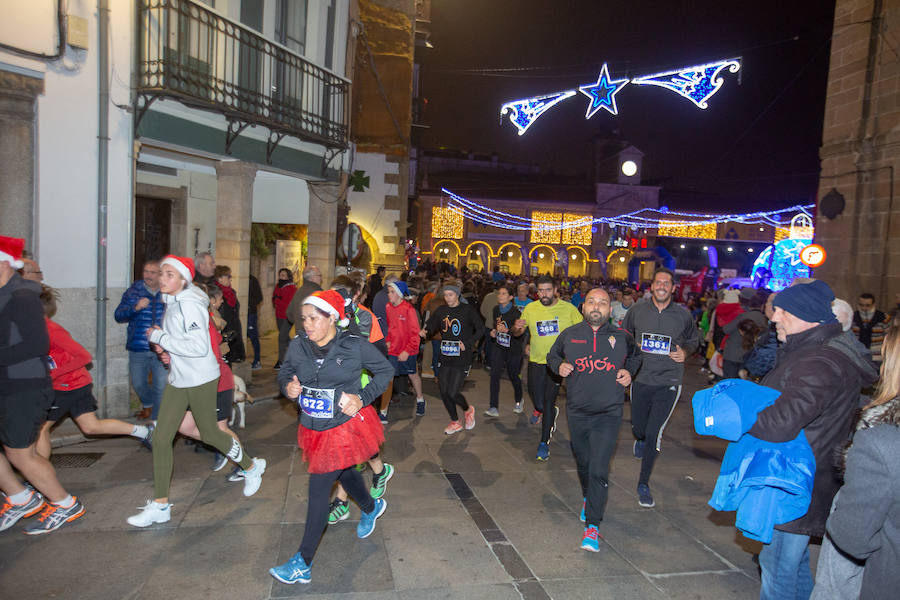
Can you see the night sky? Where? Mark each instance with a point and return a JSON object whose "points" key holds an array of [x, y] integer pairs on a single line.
{"points": [[756, 146]]}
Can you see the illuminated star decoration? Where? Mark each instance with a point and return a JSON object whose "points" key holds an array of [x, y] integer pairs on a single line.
{"points": [[697, 84], [603, 93], [522, 113]]}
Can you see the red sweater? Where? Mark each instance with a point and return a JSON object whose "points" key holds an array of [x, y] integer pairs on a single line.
{"points": [[403, 329], [69, 358], [281, 299]]}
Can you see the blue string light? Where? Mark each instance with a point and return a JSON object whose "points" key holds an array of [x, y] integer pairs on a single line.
{"points": [[485, 215], [522, 113]]}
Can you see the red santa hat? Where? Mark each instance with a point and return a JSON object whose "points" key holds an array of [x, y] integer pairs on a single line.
{"points": [[11, 251], [330, 302], [182, 264]]}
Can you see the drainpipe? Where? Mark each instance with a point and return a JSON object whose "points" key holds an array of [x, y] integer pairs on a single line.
{"points": [[102, 196]]}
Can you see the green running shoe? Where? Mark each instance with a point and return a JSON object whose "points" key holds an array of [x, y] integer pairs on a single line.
{"points": [[379, 482], [339, 511]]}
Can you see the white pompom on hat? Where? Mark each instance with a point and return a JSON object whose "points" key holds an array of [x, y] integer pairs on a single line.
{"points": [[11, 251], [330, 302]]}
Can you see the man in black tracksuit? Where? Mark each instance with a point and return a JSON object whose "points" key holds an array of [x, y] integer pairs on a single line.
{"points": [[665, 334], [597, 360], [460, 326]]}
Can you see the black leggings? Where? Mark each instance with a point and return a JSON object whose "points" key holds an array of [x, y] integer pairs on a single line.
{"points": [[543, 387], [593, 441], [510, 360], [320, 485], [651, 408], [450, 382]]}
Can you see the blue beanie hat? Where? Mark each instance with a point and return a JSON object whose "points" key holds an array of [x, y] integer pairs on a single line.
{"points": [[810, 302]]}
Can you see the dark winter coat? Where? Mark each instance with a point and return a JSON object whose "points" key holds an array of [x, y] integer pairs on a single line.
{"points": [[139, 321], [341, 371], [819, 376], [24, 341]]}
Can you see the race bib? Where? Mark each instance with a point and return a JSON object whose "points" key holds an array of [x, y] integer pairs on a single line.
{"points": [[655, 343], [503, 339], [317, 403], [548, 327], [449, 348]]}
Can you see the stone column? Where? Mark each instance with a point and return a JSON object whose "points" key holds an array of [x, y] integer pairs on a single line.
{"points": [[234, 209], [322, 231], [17, 110]]}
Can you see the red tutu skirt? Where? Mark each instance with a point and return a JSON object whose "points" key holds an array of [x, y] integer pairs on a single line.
{"points": [[352, 443]]}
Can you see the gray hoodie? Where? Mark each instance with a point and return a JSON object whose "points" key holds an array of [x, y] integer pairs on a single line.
{"points": [[24, 342], [185, 336]]}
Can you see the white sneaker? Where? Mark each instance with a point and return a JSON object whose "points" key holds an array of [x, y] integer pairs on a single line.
{"points": [[518, 408], [151, 513], [492, 412], [253, 476]]}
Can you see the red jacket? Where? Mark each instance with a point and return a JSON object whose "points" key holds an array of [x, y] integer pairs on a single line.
{"points": [[281, 299], [68, 360], [226, 377], [403, 329]]}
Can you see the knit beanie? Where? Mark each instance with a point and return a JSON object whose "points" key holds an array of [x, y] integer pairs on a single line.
{"points": [[810, 302], [331, 302], [182, 264], [11, 251], [453, 288]]}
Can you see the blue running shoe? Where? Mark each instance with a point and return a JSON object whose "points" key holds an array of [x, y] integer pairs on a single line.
{"points": [[583, 505], [638, 449], [367, 520], [644, 497], [293, 571], [535, 418], [591, 539], [543, 452]]}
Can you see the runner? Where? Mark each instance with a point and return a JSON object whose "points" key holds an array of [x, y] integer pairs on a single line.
{"points": [[193, 378], [364, 323], [545, 320], [72, 385], [460, 327], [597, 360], [665, 334], [338, 428], [507, 355]]}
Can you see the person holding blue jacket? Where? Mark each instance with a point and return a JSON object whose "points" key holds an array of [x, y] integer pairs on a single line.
{"points": [[819, 376], [142, 307]]}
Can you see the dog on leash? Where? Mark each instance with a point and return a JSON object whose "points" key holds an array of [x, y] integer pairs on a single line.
{"points": [[241, 397]]}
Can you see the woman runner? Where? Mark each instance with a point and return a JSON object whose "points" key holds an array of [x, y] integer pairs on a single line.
{"points": [[193, 378], [338, 426]]}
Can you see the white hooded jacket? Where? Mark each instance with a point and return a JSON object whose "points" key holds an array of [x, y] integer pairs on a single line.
{"points": [[185, 336]]}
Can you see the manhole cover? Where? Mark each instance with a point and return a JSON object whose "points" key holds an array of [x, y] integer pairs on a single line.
{"points": [[78, 460]]}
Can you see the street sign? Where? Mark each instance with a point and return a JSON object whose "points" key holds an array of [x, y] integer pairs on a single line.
{"points": [[812, 256], [351, 242]]}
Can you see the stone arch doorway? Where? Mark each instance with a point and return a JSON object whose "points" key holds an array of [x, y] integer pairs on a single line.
{"points": [[447, 251], [510, 258], [617, 263], [543, 260], [578, 261]]}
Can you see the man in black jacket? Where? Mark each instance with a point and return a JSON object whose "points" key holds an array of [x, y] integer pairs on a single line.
{"points": [[819, 376], [597, 360]]}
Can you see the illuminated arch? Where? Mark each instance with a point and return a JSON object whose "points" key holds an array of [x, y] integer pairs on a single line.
{"points": [[370, 241], [476, 243], [439, 242], [620, 253], [584, 255], [550, 248], [501, 248]]}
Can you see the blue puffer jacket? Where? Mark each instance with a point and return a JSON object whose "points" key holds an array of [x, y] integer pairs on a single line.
{"points": [[766, 483], [139, 320]]}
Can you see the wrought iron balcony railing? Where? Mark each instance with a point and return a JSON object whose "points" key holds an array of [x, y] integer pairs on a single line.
{"points": [[206, 61]]}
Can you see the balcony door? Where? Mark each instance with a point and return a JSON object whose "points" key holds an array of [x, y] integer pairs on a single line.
{"points": [[290, 32], [250, 59]]}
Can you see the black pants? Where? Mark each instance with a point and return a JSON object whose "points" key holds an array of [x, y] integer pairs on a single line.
{"points": [[511, 360], [320, 485], [731, 369], [284, 337], [651, 408], [451, 382], [593, 441], [543, 387]]}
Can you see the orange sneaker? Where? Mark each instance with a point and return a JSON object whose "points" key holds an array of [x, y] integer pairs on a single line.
{"points": [[470, 418], [453, 427]]}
